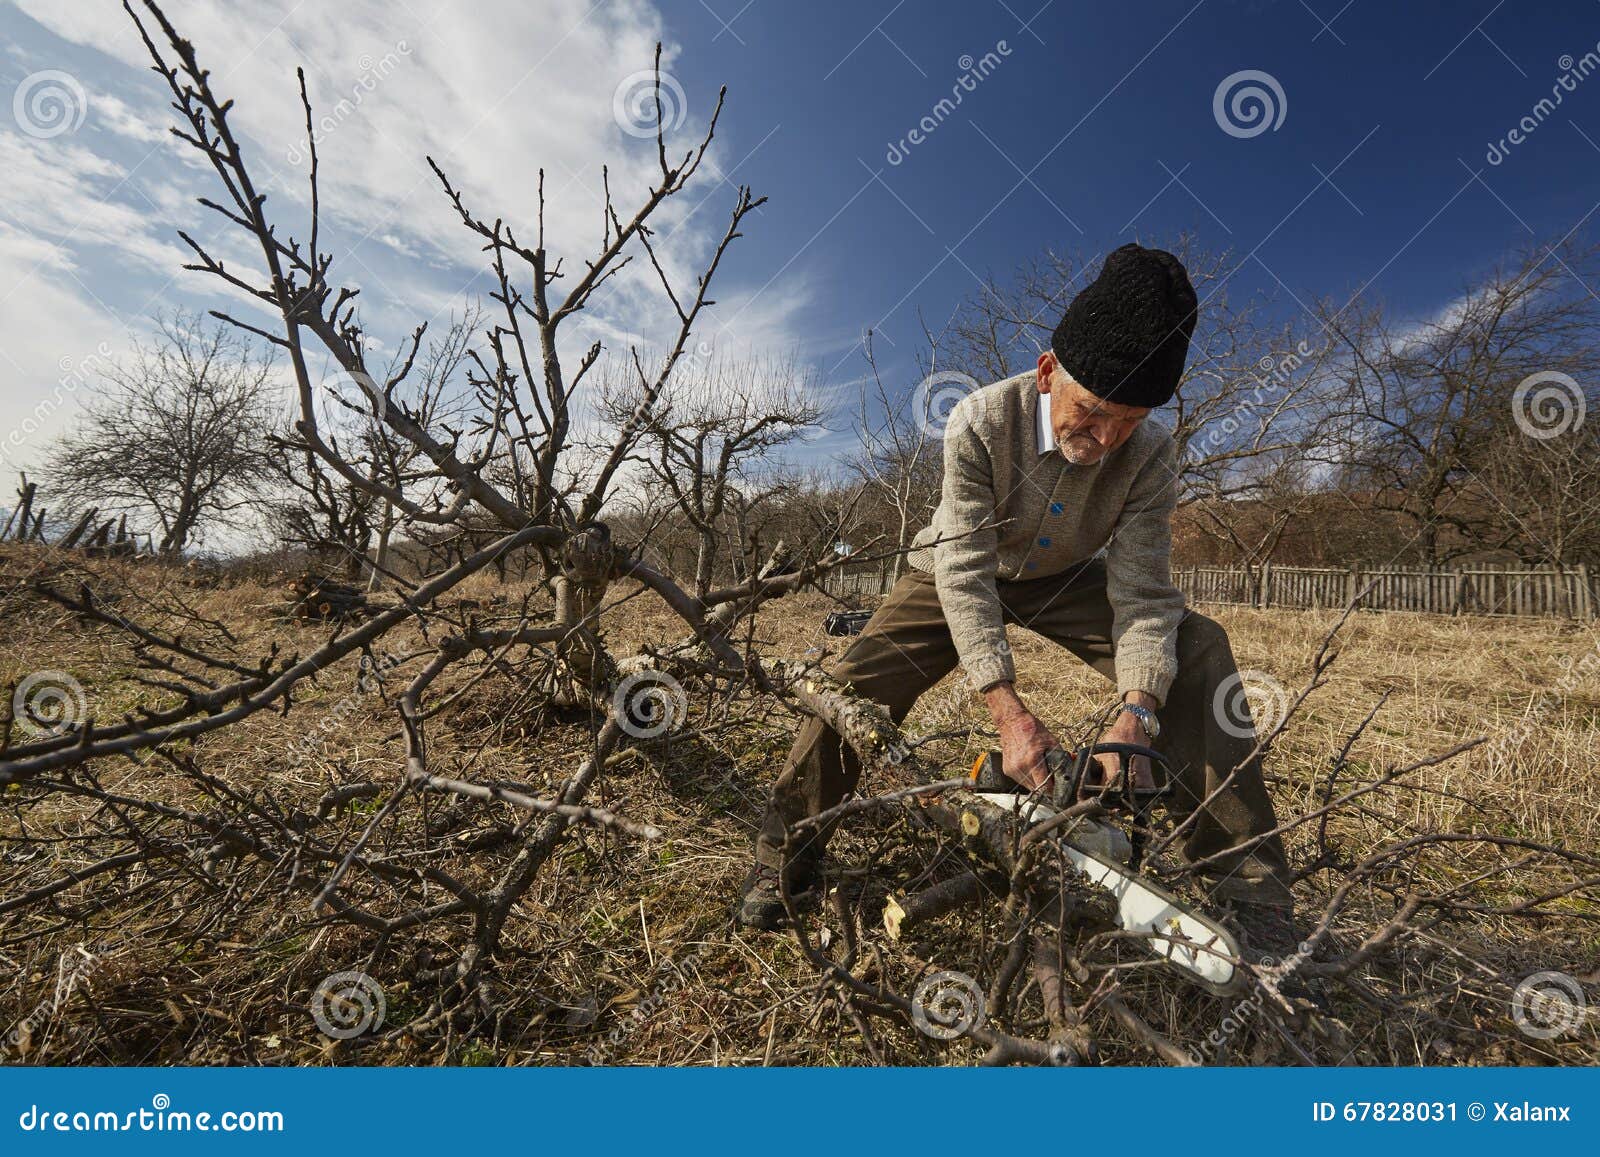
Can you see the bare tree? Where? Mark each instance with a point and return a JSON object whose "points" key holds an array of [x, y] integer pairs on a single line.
{"points": [[901, 457], [1423, 410], [706, 437], [178, 436], [337, 518], [1252, 528], [548, 498], [1549, 489], [396, 878]]}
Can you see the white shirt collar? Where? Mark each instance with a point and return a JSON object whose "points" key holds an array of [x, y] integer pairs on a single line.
{"points": [[1045, 433]]}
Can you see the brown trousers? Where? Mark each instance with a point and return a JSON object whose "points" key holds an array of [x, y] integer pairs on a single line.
{"points": [[906, 648]]}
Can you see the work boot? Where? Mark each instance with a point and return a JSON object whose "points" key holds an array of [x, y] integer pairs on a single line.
{"points": [[1266, 930], [760, 904]]}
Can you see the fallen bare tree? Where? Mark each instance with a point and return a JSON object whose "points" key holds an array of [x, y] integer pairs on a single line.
{"points": [[1377, 921], [90, 530], [514, 466]]}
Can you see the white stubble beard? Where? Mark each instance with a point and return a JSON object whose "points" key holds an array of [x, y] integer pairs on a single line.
{"points": [[1081, 450]]}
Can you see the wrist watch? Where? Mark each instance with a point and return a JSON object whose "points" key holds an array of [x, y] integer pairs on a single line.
{"points": [[1145, 716]]}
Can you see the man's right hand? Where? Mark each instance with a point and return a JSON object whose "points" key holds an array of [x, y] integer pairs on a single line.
{"points": [[1023, 739]]}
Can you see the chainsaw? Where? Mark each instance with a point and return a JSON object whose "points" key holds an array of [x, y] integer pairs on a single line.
{"points": [[1109, 857]]}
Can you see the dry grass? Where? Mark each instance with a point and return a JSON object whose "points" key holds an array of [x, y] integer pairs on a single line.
{"points": [[219, 970]]}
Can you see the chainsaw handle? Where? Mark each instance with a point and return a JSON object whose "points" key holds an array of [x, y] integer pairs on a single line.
{"points": [[1127, 751], [1070, 767], [1137, 798]]}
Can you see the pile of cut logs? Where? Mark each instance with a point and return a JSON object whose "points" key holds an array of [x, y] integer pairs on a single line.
{"points": [[323, 599]]}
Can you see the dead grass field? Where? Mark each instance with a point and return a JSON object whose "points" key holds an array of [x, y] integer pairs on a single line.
{"points": [[623, 951]]}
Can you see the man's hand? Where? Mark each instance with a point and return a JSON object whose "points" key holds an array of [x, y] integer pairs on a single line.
{"points": [[1023, 739], [1126, 728]]}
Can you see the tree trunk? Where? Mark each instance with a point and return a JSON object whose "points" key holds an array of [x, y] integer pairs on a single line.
{"points": [[705, 564], [375, 580]]}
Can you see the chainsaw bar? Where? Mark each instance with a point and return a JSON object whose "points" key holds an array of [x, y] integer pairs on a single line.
{"points": [[1190, 940]]}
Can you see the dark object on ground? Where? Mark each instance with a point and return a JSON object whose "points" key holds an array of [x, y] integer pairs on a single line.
{"points": [[760, 904], [1268, 930], [320, 598], [845, 622]]}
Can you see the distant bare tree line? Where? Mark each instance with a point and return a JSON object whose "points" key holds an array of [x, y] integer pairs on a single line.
{"points": [[1351, 435]]}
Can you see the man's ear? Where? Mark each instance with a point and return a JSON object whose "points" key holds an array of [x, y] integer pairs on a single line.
{"points": [[1047, 367]]}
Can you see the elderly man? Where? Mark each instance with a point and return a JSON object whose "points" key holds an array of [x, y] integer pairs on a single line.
{"points": [[1056, 515]]}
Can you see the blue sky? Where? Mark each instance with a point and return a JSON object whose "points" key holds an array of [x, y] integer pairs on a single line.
{"points": [[1098, 128], [1093, 124]]}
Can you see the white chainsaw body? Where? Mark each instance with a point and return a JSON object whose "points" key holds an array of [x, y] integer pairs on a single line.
{"points": [[1196, 943]]}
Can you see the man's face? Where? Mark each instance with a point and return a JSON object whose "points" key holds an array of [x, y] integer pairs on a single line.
{"points": [[1087, 428]]}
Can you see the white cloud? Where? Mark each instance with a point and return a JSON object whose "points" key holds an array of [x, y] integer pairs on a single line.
{"points": [[492, 90], [62, 190], [113, 114], [49, 346]]}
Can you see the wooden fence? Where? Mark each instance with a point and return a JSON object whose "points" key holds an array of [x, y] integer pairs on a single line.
{"points": [[1477, 589], [868, 579]]}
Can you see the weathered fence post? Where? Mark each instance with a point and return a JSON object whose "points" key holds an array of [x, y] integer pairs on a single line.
{"points": [[29, 489]]}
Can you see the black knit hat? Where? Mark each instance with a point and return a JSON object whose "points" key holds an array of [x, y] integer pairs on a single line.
{"points": [[1125, 337]]}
